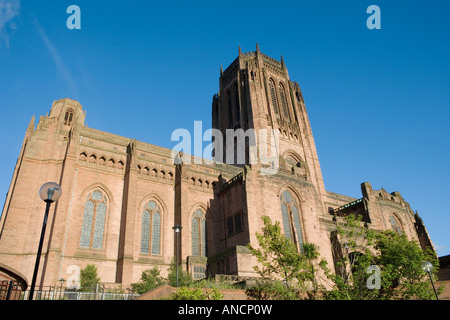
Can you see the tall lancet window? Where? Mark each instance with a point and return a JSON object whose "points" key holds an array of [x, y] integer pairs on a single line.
{"points": [[151, 229], [395, 225], [94, 216], [283, 101], [68, 117], [273, 97], [291, 219], [199, 246], [230, 110], [237, 105]]}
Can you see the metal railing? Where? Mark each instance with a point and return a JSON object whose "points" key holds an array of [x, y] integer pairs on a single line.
{"points": [[10, 290], [97, 292]]}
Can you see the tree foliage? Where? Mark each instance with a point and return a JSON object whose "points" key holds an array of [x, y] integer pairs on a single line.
{"points": [[286, 274], [89, 277], [370, 265], [150, 279], [397, 259], [184, 278], [185, 293]]}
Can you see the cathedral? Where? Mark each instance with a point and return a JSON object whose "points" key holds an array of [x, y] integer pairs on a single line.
{"points": [[121, 198]]}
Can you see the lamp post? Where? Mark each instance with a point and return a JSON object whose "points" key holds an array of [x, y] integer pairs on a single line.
{"points": [[428, 267], [49, 193], [62, 282], [177, 229]]}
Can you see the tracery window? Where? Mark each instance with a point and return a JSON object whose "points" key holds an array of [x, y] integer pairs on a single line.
{"points": [[395, 225], [291, 163], [283, 101], [237, 105], [93, 226], [199, 246], [68, 117], [273, 96], [291, 219], [151, 229], [230, 110]]}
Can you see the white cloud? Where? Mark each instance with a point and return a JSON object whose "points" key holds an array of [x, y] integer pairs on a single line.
{"points": [[9, 9]]}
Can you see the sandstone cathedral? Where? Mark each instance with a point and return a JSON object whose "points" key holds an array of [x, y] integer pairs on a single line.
{"points": [[122, 197]]}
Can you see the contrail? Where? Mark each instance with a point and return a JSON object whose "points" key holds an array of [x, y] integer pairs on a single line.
{"points": [[62, 69]]}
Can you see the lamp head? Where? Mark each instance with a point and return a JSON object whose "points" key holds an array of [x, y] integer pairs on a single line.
{"points": [[50, 192], [427, 266]]}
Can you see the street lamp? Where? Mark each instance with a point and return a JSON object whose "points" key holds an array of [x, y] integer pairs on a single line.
{"points": [[62, 282], [177, 229], [49, 193], [428, 267]]}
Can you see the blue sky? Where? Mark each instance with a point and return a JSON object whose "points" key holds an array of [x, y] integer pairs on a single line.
{"points": [[378, 100]]}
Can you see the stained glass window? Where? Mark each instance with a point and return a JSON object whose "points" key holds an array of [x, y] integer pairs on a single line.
{"points": [[99, 226], [291, 219], [230, 110], [298, 230], [85, 239], [286, 221], [151, 229], [152, 205], [96, 195], [273, 96], [195, 236], [199, 241], [145, 232], [156, 233], [203, 240], [237, 105], [395, 225], [94, 217], [283, 101]]}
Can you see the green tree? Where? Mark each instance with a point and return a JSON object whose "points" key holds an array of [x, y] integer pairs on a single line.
{"points": [[316, 267], [150, 279], [397, 258], [355, 246], [277, 255], [89, 277], [400, 261], [184, 278], [285, 273], [272, 290], [185, 293]]}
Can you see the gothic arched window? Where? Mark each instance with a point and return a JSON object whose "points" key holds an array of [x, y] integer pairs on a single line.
{"points": [[395, 225], [94, 215], [230, 109], [283, 101], [273, 96], [237, 105], [68, 117], [151, 229], [291, 219], [199, 247]]}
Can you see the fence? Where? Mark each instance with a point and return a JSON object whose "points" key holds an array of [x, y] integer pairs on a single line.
{"points": [[10, 290], [97, 292]]}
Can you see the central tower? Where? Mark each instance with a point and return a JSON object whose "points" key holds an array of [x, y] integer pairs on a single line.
{"points": [[256, 96]]}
